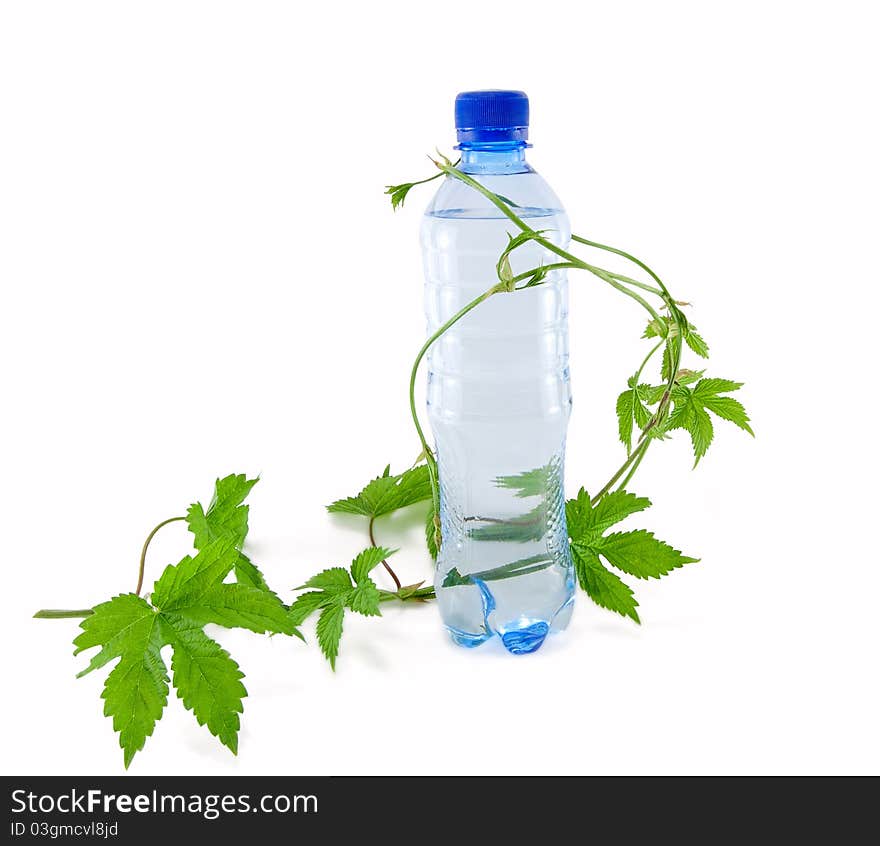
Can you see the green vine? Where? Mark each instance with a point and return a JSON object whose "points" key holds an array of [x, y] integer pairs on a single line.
{"points": [[219, 584]]}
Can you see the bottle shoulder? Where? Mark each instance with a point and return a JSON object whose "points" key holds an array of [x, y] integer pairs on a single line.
{"points": [[527, 191]]}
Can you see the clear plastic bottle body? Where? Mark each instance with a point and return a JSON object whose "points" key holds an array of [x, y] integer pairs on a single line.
{"points": [[499, 401]]}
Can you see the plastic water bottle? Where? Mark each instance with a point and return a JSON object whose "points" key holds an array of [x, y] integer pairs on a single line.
{"points": [[498, 390]]}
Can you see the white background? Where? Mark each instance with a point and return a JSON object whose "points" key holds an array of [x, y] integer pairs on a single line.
{"points": [[201, 275]]}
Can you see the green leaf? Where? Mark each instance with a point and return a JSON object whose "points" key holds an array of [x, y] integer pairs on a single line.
{"points": [[338, 589], [398, 193], [236, 606], [364, 599], [329, 630], [387, 493], [305, 605], [710, 387], [727, 408], [631, 412], [601, 585], [587, 522], [691, 407], [637, 553], [207, 680], [226, 517], [537, 482], [365, 561], [431, 533], [692, 417], [666, 367], [652, 394], [135, 695], [125, 623], [136, 689], [640, 554], [696, 343], [247, 573], [184, 598], [191, 577], [332, 580]]}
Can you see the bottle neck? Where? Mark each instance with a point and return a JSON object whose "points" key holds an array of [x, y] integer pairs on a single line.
{"points": [[494, 158]]}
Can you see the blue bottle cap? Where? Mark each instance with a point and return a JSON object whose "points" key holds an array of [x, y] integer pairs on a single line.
{"points": [[491, 116]]}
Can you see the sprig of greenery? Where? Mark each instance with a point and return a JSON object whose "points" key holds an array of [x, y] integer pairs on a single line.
{"points": [[333, 591], [387, 493], [652, 411], [637, 553], [186, 597]]}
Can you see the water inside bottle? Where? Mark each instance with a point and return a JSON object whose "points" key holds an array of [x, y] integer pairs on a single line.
{"points": [[499, 402]]}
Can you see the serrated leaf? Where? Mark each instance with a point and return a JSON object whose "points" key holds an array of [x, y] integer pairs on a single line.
{"points": [[624, 409], [185, 597], [247, 573], [537, 482], [306, 604], [398, 193], [728, 408], [640, 554], [696, 343], [333, 580], [691, 407], [637, 552], [192, 576], [124, 623], [207, 680], [227, 517], [586, 522], [364, 599], [666, 367], [236, 606], [365, 561], [431, 533], [652, 394], [602, 586], [135, 695], [709, 387], [136, 689], [329, 630], [631, 412], [614, 507], [699, 426], [387, 493]]}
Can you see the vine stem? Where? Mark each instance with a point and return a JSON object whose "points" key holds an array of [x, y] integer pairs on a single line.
{"points": [[419, 594], [63, 614], [505, 209], [385, 564], [60, 614], [617, 281], [140, 581], [634, 467]]}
